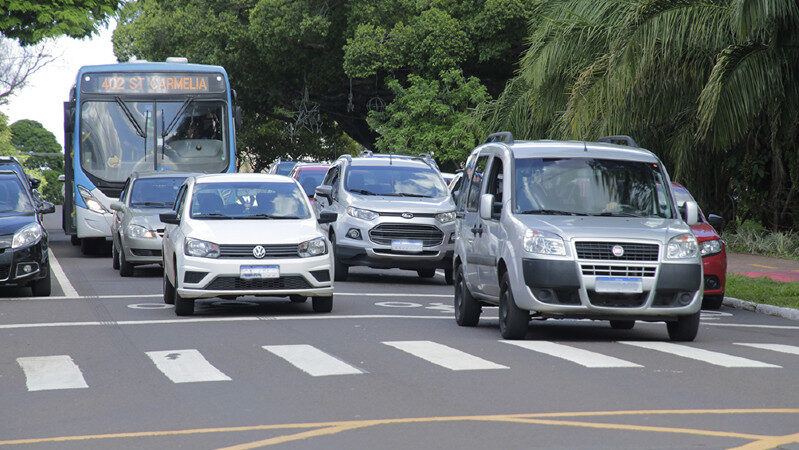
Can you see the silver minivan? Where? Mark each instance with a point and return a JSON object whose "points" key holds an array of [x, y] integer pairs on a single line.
{"points": [[556, 229]]}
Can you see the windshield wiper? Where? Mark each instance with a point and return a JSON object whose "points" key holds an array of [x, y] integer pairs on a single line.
{"points": [[615, 214], [174, 120], [253, 216], [364, 192], [211, 216], [553, 212], [408, 194], [150, 204], [131, 117]]}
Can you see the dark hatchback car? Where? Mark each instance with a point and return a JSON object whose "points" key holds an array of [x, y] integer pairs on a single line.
{"points": [[23, 239]]}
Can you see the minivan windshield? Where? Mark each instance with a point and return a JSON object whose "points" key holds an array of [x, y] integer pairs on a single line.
{"points": [[155, 192], [395, 180], [13, 196], [248, 200], [592, 187]]}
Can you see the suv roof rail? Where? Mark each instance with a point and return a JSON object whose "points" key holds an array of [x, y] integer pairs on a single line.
{"points": [[627, 140], [346, 156], [365, 153], [502, 136]]}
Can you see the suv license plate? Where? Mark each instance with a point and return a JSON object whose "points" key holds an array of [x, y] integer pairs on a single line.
{"points": [[626, 285], [406, 246], [254, 272]]}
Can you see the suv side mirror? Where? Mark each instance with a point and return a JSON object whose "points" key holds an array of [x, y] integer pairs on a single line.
{"points": [[690, 213], [116, 206], [327, 217], [170, 218], [35, 182], [324, 191], [716, 222], [46, 208], [486, 206]]}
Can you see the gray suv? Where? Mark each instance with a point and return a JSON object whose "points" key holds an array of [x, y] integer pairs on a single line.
{"points": [[572, 229], [392, 213]]}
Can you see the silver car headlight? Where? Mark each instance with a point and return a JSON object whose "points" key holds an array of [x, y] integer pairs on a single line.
{"points": [[139, 232], [544, 243], [446, 217], [314, 247], [203, 249], [27, 235], [91, 202], [363, 214], [710, 248], [683, 246]]}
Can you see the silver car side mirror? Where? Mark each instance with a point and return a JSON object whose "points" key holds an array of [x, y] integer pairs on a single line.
{"points": [[691, 213], [486, 204]]}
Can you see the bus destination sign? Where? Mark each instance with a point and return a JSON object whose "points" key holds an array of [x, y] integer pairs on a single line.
{"points": [[152, 83]]}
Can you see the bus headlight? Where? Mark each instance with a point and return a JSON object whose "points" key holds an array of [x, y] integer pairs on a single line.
{"points": [[27, 235], [92, 203]]}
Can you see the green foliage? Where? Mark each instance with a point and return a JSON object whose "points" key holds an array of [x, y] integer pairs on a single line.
{"points": [[763, 290], [752, 237], [31, 21], [51, 187], [30, 136]]}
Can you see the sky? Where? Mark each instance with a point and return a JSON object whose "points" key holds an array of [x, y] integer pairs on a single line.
{"points": [[42, 99]]}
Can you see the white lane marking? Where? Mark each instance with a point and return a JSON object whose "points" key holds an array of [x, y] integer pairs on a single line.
{"points": [[389, 294], [311, 360], [60, 276], [186, 366], [710, 357], [444, 356], [782, 348], [576, 355], [399, 304], [103, 297], [44, 373], [752, 325]]}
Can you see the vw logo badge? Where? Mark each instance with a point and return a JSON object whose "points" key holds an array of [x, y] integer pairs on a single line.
{"points": [[617, 250], [259, 251], [407, 216]]}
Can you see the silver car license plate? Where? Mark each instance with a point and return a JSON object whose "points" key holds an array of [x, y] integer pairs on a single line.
{"points": [[256, 272], [623, 285], [406, 246]]}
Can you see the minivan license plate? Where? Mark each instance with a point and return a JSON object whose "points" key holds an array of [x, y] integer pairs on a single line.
{"points": [[255, 272], [406, 246], [625, 285]]}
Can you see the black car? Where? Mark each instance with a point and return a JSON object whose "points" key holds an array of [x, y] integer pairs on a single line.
{"points": [[11, 163], [23, 238]]}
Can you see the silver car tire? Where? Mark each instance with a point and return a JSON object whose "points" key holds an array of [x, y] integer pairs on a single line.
{"points": [[467, 309], [513, 321]]}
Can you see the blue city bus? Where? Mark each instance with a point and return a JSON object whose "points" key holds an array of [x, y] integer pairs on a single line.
{"points": [[139, 117]]}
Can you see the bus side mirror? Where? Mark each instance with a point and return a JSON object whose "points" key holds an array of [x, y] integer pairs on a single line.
{"points": [[69, 116]]}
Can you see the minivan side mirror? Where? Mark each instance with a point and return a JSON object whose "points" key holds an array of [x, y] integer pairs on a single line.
{"points": [[691, 213], [327, 217], [46, 208], [116, 206], [486, 206], [716, 222], [170, 218], [324, 191]]}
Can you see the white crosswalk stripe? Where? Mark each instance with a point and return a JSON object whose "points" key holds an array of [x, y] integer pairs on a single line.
{"points": [[43, 373], [576, 355], [444, 356], [186, 366], [311, 360], [782, 348], [710, 357]]}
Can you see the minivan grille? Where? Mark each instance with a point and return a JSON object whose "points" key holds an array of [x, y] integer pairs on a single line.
{"points": [[272, 251], [384, 233], [618, 271], [602, 250]]}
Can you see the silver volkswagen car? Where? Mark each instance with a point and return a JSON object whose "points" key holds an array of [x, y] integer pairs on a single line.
{"points": [[136, 229], [554, 229]]}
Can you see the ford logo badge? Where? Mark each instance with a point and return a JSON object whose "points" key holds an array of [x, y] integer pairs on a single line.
{"points": [[617, 250], [407, 216], [259, 251]]}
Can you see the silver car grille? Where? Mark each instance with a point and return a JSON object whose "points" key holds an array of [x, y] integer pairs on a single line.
{"points": [[617, 271], [384, 233], [272, 251], [633, 251]]}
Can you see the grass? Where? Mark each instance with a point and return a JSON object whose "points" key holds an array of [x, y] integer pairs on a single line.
{"points": [[763, 290], [758, 241]]}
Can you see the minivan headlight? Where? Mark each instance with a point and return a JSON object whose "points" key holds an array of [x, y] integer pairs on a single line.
{"points": [[710, 248], [203, 249], [544, 243], [446, 217], [683, 246], [91, 202], [27, 235], [139, 232], [363, 214], [314, 247]]}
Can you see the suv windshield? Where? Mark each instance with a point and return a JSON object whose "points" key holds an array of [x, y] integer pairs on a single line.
{"points": [[248, 200], [587, 186], [309, 179], [155, 192], [13, 196], [399, 181]]}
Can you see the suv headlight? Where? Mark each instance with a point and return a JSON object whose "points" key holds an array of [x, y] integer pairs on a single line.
{"points": [[203, 249], [314, 247], [27, 235], [683, 246], [446, 217], [139, 232], [710, 248], [363, 214], [544, 243], [92, 203]]}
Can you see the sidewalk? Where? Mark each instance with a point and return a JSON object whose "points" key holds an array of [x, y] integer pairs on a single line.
{"points": [[753, 266]]}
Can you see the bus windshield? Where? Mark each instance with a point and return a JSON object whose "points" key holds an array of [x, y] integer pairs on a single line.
{"points": [[118, 137]]}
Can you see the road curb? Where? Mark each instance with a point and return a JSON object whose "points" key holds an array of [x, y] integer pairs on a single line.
{"points": [[771, 310]]}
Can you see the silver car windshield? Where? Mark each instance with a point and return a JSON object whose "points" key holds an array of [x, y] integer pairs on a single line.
{"points": [[593, 187], [155, 192], [248, 200], [396, 181]]}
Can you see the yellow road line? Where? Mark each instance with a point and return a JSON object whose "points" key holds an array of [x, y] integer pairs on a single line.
{"points": [[293, 437], [758, 265], [770, 442]]}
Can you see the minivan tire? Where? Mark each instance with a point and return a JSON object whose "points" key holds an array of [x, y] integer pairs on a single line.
{"points": [[114, 257], [712, 302], [169, 291], [467, 309], [183, 306], [322, 304], [513, 321], [685, 328]]}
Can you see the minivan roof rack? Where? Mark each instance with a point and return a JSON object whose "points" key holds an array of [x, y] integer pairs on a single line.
{"points": [[346, 156], [502, 136], [365, 153], [627, 140]]}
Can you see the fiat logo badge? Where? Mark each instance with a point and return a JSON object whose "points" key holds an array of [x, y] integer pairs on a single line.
{"points": [[407, 216], [617, 250], [259, 251]]}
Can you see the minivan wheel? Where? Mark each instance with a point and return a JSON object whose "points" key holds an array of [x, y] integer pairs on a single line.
{"points": [[169, 291], [426, 273], [712, 301], [513, 320], [685, 328], [622, 324], [467, 309], [114, 257], [183, 306], [322, 304]]}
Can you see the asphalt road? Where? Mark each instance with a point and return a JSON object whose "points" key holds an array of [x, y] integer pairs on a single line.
{"points": [[105, 364]]}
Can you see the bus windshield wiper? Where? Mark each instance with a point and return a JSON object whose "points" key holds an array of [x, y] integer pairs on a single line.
{"points": [[553, 212], [131, 117], [174, 121]]}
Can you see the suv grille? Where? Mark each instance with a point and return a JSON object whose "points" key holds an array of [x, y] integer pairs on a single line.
{"points": [[617, 300], [239, 284], [618, 271], [602, 250], [272, 251], [384, 233]]}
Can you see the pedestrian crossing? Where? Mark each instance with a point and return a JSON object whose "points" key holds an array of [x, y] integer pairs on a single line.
{"points": [[60, 372]]}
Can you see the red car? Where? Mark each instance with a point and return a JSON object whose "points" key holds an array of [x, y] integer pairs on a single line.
{"points": [[712, 247], [309, 176]]}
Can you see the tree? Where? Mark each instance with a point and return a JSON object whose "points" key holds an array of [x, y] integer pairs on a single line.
{"points": [[31, 21], [30, 137], [17, 64]]}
